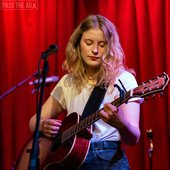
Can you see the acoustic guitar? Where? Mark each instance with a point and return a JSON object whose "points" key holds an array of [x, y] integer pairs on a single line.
{"points": [[69, 148]]}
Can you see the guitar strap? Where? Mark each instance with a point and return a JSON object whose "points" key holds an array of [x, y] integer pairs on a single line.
{"points": [[94, 101]]}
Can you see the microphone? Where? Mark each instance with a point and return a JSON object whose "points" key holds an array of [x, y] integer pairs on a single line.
{"points": [[51, 79], [51, 50]]}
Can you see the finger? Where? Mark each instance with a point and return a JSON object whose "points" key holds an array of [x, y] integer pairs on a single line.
{"points": [[52, 122], [56, 122], [108, 113], [51, 127], [111, 107], [50, 135], [104, 115], [51, 132]]}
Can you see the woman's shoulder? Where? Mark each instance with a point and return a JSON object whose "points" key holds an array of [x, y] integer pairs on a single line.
{"points": [[65, 78], [63, 84], [66, 81]]}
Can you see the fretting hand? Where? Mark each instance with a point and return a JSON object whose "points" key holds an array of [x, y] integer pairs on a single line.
{"points": [[110, 115]]}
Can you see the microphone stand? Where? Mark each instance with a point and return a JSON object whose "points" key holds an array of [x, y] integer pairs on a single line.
{"points": [[18, 85], [150, 150], [34, 156], [34, 163]]}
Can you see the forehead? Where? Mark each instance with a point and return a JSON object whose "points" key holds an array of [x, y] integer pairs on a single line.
{"points": [[94, 34]]}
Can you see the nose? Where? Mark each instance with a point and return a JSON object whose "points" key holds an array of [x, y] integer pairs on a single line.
{"points": [[95, 50]]}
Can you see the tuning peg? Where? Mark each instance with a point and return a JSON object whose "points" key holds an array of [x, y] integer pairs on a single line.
{"points": [[149, 89]]}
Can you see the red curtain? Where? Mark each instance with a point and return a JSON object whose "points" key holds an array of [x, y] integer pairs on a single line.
{"points": [[144, 29]]}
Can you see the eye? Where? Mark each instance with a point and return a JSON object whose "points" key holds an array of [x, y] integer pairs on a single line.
{"points": [[88, 42], [102, 44]]}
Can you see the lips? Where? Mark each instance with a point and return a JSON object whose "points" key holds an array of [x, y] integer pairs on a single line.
{"points": [[94, 58]]}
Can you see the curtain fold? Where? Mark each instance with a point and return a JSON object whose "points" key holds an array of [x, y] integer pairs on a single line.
{"points": [[144, 29]]}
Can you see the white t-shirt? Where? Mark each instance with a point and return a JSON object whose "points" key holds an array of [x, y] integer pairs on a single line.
{"points": [[66, 95]]}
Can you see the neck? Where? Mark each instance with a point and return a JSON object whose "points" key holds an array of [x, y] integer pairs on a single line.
{"points": [[91, 73], [91, 77]]}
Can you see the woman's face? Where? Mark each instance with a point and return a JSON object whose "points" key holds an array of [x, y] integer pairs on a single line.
{"points": [[92, 46]]}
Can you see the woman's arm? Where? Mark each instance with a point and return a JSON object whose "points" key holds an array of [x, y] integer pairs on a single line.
{"points": [[125, 119], [48, 124]]}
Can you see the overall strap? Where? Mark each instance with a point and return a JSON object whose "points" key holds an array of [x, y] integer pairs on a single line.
{"points": [[94, 101]]}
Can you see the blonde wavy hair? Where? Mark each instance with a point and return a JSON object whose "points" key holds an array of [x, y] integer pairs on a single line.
{"points": [[112, 61]]}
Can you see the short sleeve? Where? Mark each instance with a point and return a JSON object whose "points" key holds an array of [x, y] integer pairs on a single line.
{"points": [[127, 80], [58, 92]]}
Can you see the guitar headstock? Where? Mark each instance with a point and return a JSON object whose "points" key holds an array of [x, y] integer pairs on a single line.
{"points": [[152, 86]]}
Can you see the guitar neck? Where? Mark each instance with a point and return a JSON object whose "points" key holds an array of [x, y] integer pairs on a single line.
{"points": [[87, 121]]}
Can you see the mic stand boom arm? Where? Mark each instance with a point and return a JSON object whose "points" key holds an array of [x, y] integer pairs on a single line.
{"points": [[17, 85]]}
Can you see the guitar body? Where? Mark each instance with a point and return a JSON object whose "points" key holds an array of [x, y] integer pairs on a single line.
{"points": [[64, 156]]}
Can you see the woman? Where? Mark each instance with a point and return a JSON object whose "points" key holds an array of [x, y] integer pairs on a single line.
{"points": [[94, 57]]}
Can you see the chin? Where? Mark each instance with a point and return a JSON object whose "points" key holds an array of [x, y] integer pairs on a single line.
{"points": [[94, 65]]}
